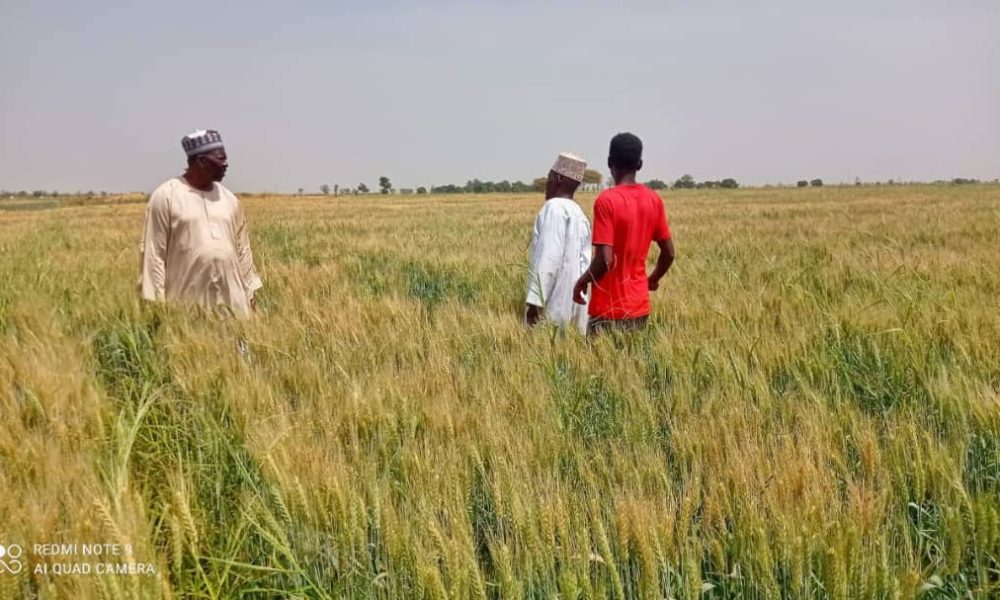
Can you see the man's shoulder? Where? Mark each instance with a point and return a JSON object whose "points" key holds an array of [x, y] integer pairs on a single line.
{"points": [[166, 187], [166, 190], [607, 195], [650, 193], [571, 208], [553, 206], [614, 195], [564, 208], [563, 204]]}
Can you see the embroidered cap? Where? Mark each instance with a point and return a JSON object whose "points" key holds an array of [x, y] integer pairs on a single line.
{"points": [[201, 141], [570, 165]]}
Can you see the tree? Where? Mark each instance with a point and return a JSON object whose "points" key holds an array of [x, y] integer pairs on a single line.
{"points": [[325, 189], [686, 182], [816, 183], [729, 183], [421, 190], [592, 176], [384, 184], [538, 184], [656, 184], [336, 189], [300, 191], [802, 183], [362, 188]]}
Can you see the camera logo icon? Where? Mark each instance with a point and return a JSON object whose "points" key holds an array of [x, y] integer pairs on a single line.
{"points": [[10, 559]]}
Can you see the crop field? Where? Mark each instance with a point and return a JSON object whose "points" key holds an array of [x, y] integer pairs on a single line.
{"points": [[813, 412]]}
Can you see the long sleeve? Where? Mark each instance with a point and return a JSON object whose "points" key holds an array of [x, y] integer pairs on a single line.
{"points": [[548, 240], [153, 248], [248, 271]]}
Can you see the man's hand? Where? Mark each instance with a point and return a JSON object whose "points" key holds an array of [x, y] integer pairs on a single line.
{"points": [[653, 284], [532, 315], [604, 257], [581, 288]]}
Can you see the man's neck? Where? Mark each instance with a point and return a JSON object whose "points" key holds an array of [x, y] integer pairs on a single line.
{"points": [[197, 182], [626, 179]]}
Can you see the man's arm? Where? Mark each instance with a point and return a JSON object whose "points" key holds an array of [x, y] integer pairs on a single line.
{"points": [[546, 259], [663, 262], [248, 271], [599, 267], [663, 238], [153, 248], [604, 235]]}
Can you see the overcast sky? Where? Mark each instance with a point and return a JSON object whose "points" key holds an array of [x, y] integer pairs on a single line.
{"points": [[97, 95]]}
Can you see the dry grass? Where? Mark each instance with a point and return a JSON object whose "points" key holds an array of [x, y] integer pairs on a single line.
{"points": [[813, 412]]}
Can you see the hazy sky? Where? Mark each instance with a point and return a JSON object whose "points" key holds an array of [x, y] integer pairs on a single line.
{"points": [[97, 95]]}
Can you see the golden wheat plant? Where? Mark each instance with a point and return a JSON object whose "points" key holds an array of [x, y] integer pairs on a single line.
{"points": [[813, 411]]}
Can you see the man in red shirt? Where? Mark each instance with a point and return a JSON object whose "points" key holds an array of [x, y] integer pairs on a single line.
{"points": [[627, 219]]}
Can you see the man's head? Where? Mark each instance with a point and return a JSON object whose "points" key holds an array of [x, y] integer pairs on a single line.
{"points": [[565, 176], [625, 155], [206, 154]]}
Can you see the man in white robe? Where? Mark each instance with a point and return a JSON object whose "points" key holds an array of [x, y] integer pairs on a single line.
{"points": [[195, 245], [560, 249]]}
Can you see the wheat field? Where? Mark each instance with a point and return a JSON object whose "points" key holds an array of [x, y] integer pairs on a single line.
{"points": [[813, 412]]}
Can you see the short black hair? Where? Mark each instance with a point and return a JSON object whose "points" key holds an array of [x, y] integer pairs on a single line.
{"points": [[625, 152]]}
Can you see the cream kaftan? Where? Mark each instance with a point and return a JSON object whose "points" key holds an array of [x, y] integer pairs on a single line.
{"points": [[195, 247]]}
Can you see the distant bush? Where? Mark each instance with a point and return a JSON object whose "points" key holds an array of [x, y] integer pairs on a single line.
{"points": [[686, 182], [816, 183], [476, 186], [802, 183]]}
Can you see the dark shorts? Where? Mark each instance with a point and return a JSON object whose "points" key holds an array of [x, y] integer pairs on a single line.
{"points": [[598, 325]]}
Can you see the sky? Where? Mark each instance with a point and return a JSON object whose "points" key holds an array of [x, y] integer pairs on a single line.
{"points": [[96, 96]]}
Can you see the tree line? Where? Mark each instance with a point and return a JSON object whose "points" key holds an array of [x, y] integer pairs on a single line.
{"points": [[46, 194], [592, 181]]}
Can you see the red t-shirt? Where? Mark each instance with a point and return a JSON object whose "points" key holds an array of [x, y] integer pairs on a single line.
{"points": [[628, 218]]}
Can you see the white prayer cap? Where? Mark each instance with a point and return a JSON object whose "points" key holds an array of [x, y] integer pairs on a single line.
{"points": [[570, 165], [201, 141]]}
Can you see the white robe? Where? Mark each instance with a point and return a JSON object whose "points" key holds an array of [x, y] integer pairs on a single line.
{"points": [[560, 254], [195, 247]]}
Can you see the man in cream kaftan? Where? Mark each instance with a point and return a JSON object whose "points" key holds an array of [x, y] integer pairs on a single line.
{"points": [[195, 245]]}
